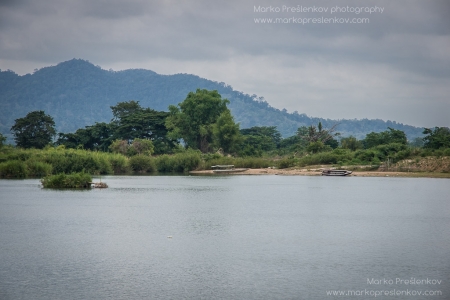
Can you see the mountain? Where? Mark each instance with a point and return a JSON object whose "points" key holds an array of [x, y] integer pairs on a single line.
{"points": [[77, 93]]}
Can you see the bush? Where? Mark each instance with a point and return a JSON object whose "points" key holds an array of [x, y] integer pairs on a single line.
{"points": [[13, 169], [38, 168], [253, 162], [286, 163], [74, 180], [332, 157], [119, 163], [142, 163], [403, 154], [180, 162]]}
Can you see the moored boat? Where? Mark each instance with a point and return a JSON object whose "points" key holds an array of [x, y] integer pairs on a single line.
{"points": [[227, 169], [330, 172]]}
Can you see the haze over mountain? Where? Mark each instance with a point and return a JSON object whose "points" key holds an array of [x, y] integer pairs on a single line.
{"points": [[77, 93]]}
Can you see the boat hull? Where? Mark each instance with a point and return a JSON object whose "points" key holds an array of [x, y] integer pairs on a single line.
{"points": [[336, 173], [231, 170]]}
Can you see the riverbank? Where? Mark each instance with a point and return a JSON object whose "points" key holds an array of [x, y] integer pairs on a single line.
{"points": [[318, 172]]}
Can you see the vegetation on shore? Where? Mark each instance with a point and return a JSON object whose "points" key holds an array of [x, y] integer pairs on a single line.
{"points": [[198, 133]]}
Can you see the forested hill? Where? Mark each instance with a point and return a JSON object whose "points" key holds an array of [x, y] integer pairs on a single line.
{"points": [[77, 93]]}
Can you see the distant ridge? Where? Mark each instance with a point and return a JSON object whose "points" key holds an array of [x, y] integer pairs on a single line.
{"points": [[77, 93]]}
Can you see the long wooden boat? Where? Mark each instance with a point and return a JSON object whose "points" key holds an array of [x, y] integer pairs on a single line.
{"points": [[336, 172], [227, 169]]}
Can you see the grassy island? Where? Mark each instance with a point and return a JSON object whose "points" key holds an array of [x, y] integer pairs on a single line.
{"points": [[67, 181]]}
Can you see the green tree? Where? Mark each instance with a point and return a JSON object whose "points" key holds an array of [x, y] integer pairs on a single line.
{"points": [[226, 133], [313, 134], [132, 121], [194, 119], [142, 146], [316, 147], [119, 146], [317, 138], [389, 136], [95, 137], [266, 138], [351, 143], [122, 109], [2, 140], [436, 138], [35, 130]]}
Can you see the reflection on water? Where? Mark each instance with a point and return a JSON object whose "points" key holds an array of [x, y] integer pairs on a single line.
{"points": [[233, 237]]}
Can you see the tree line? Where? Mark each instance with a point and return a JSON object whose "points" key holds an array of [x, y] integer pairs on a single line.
{"points": [[204, 122]]}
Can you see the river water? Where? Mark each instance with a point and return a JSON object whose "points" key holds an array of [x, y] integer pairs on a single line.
{"points": [[227, 237]]}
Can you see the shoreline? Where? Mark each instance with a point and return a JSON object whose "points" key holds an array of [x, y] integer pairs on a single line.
{"points": [[318, 172]]}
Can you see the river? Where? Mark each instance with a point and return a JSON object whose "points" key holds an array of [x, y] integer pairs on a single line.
{"points": [[227, 237]]}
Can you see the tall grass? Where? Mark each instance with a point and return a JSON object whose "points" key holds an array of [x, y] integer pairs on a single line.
{"points": [[13, 169], [60, 160], [180, 162], [142, 163], [38, 168]]}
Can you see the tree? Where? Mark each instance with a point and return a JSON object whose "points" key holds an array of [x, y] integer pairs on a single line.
{"points": [[95, 137], [123, 109], [35, 130], [194, 119], [436, 138], [269, 136], [351, 143], [317, 134], [317, 138], [141, 146], [2, 140], [258, 139], [119, 146], [132, 121], [226, 133], [389, 136], [138, 146]]}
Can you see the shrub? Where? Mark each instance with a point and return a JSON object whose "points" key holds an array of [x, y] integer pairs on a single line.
{"points": [[74, 180], [119, 163], [142, 163], [38, 168], [286, 163], [13, 169], [180, 162]]}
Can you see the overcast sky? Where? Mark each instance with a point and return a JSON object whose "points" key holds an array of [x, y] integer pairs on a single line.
{"points": [[391, 63]]}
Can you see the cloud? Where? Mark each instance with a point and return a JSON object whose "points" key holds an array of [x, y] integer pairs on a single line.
{"points": [[397, 66]]}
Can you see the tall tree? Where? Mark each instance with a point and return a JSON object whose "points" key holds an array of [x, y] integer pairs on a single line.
{"points": [[95, 137], [135, 122], [123, 109], [319, 138], [193, 120], [226, 133], [35, 130], [351, 143], [260, 138], [389, 136], [436, 138]]}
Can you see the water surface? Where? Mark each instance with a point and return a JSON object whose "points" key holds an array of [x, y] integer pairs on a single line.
{"points": [[232, 237]]}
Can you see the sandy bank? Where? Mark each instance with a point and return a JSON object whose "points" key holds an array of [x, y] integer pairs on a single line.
{"points": [[318, 172]]}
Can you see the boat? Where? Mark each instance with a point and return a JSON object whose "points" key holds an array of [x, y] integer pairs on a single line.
{"points": [[227, 169], [330, 172]]}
